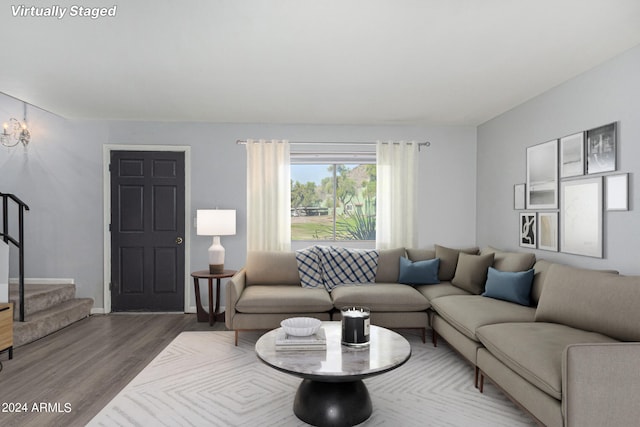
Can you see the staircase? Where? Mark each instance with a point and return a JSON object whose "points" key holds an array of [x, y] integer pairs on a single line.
{"points": [[48, 308], [39, 308]]}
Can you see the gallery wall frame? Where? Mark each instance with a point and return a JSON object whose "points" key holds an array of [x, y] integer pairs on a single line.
{"points": [[548, 231], [572, 155], [542, 176], [617, 192], [581, 217], [571, 182], [602, 149], [519, 196], [528, 229]]}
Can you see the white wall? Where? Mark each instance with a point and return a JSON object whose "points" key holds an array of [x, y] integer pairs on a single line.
{"points": [[61, 177], [4, 272], [61, 180], [608, 93]]}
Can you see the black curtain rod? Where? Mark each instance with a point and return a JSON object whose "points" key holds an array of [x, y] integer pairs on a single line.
{"points": [[420, 144]]}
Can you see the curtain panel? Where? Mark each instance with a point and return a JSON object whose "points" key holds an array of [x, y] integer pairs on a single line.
{"points": [[397, 194], [268, 195]]}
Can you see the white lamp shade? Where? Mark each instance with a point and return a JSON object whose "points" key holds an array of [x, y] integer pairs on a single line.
{"points": [[216, 222]]}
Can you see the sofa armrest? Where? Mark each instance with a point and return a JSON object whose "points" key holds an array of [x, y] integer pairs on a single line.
{"points": [[235, 287], [601, 384]]}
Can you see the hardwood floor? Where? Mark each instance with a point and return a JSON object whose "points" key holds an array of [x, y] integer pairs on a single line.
{"points": [[66, 378]]}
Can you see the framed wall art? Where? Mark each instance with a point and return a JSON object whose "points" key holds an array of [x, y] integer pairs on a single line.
{"points": [[542, 176], [548, 231], [601, 149], [518, 196], [617, 191], [581, 217], [527, 229], [572, 155]]}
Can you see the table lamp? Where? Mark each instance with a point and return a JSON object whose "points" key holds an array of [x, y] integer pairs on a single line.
{"points": [[216, 223]]}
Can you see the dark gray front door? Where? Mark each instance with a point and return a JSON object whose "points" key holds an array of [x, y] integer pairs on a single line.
{"points": [[147, 231]]}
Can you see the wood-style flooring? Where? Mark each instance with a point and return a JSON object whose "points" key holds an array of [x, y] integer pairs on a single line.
{"points": [[66, 378]]}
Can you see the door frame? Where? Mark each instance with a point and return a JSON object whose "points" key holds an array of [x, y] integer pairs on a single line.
{"points": [[106, 190]]}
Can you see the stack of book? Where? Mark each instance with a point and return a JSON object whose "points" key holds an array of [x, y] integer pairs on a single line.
{"points": [[317, 341]]}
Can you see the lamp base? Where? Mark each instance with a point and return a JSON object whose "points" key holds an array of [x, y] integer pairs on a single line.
{"points": [[216, 268]]}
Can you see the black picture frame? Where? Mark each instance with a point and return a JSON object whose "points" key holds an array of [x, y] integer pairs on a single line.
{"points": [[601, 149], [527, 229]]}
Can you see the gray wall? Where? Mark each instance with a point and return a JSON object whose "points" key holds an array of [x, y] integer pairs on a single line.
{"points": [[608, 93], [61, 178]]}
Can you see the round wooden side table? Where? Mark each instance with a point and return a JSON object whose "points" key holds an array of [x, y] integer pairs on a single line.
{"points": [[214, 314]]}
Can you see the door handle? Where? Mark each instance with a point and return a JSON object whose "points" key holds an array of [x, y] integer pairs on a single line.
{"points": [[179, 240]]}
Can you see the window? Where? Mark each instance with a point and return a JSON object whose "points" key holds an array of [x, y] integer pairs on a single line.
{"points": [[333, 201]]}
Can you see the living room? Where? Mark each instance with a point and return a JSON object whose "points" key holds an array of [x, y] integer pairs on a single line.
{"points": [[466, 175]]}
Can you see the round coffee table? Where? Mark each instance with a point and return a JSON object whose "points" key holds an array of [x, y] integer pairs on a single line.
{"points": [[332, 392]]}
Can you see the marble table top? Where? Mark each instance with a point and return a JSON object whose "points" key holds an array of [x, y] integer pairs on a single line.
{"points": [[386, 351]]}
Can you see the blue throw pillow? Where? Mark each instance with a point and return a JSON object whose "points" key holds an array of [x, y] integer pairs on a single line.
{"points": [[419, 272], [509, 286]]}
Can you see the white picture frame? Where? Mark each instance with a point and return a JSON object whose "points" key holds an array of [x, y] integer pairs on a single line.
{"points": [[519, 196], [527, 230], [581, 217], [542, 176], [572, 155], [617, 191], [548, 231]]}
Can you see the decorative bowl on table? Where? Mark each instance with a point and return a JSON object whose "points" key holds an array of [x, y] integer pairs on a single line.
{"points": [[301, 326]]}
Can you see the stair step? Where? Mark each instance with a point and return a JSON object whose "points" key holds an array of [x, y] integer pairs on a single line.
{"points": [[49, 320], [38, 297]]}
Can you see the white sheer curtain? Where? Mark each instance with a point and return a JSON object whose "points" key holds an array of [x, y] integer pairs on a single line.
{"points": [[396, 201], [268, 196]]}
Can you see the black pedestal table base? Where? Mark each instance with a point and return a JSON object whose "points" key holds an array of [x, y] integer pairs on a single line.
{"points": [[332, 392], [332, 403]]}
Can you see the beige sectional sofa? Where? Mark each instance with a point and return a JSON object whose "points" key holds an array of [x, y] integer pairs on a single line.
{"points": [[268, 290], [570, 356]]}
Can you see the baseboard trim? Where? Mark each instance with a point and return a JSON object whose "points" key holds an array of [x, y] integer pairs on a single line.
{"points": [[100, 310], [43, 281]]}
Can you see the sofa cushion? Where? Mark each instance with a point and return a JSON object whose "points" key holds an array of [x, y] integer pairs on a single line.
{"points": [[510, 261], [419, 272], [468, 312], [271, 268], [471, 272], [592, 300], [534, 350], [389, 265], [440, 290], [449, 260], [540, 269], [380, 297], [421, 254], [309, 268], [283, 299], [512, 286]]}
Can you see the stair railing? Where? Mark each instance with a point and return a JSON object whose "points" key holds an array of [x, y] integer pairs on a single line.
{"points": [[19, 243]]}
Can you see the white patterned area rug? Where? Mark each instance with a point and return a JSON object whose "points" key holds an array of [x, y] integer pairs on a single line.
{"points": [[202, 379]]}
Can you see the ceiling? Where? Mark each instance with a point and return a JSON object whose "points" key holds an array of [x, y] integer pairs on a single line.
{"points": [[451, 62]]}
